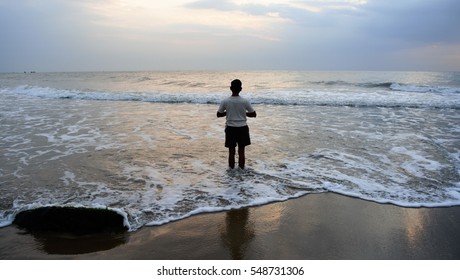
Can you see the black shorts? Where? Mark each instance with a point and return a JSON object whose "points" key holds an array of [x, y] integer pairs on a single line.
{"points": [[237, 135]]}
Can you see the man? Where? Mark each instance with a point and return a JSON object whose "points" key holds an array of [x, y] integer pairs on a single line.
{"points": [[236, 109]]}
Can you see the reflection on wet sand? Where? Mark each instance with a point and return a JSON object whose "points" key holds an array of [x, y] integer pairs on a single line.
{"points": [[237, 232], [414, 222], [68, 244]]}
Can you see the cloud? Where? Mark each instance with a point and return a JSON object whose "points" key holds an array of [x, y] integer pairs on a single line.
{"points": [[426, 21], [391, 35], [54, 35], [280, 7], [213, 4]]}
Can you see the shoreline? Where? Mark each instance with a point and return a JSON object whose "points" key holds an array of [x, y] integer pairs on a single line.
{"points": [[324, 226]]}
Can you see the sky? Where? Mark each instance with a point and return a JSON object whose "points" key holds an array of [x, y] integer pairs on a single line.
{"points": [[138, 35]]}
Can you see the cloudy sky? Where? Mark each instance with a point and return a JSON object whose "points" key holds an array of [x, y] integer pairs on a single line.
{"points": [[104, 35]]}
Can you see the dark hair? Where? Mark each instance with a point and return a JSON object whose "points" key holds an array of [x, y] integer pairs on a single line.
{"points": [[236, 84]]}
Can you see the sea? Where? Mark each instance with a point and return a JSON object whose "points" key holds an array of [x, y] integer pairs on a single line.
{"points": [[149, 145]]}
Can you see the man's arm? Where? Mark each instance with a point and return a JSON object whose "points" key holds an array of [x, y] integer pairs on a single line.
{"points": [[251, 115], [250, 112], [222, 111]]}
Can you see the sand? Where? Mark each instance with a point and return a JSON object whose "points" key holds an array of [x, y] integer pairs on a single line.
{"points": [[317, 226]]}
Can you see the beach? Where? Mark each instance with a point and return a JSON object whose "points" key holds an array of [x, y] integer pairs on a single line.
{"points": [[313, 227], [342, 165]]}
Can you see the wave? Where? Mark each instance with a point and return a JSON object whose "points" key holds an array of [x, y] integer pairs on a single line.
{"points": [[332, 83], [364, 85], [144, 79], [393, 86], [399, 96], [423, 89]]}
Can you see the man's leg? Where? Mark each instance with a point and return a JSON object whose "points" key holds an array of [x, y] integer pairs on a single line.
{"points": [[241, 157], [231, 157]]}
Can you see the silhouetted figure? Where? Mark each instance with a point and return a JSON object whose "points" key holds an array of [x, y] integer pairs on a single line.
{"points": [[236, 108]]}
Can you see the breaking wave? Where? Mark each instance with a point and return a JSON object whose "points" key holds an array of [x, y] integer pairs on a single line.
{"points": [[387, 95]]}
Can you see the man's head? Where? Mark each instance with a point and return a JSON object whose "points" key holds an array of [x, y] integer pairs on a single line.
{"points": [[236, 86]]}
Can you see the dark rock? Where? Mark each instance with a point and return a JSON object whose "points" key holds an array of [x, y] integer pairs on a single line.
{"points": [[73, 220]]}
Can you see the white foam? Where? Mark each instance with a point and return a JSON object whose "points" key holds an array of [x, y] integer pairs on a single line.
{"points": [[68, 178], [424, 88], [398, 96], [416, 163]]}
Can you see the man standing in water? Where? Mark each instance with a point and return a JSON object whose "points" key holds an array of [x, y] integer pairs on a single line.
{"points": [[236, 109]]}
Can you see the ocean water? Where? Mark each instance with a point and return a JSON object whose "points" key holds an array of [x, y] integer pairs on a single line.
{"points": [[149, 145]]}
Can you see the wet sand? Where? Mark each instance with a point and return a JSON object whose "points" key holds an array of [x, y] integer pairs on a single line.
{"points": [[316, 226]]}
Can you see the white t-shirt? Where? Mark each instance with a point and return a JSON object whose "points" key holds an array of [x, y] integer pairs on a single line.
{"points": [[236, 108]]}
